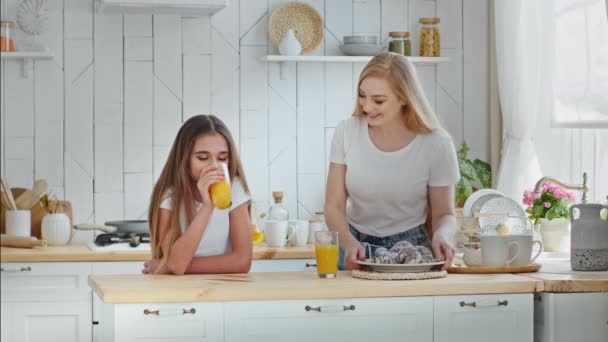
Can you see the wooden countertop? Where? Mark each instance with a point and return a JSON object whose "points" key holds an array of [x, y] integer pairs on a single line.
{"points": [[559, 277], [294, 285], [78, 253]]}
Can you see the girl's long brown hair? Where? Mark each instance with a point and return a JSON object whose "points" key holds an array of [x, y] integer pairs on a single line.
{"points": [[175, 179], [401, 74]]}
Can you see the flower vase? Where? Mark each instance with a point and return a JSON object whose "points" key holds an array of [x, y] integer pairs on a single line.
{"points": [[555, 235], [290, 46]]}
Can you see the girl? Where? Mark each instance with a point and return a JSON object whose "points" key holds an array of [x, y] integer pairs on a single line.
{"points": [[189, 235], [393, 163]]}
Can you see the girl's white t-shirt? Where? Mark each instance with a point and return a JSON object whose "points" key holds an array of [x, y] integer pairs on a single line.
{"points": [[216, 238], [387, 191]]}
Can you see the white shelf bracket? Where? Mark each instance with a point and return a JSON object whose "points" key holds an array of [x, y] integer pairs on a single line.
{"points": [[282, 71], [25, 66]]}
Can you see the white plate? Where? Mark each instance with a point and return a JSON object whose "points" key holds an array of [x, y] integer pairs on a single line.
{"points": [[468, 204], [400, 268], [361, 49]]}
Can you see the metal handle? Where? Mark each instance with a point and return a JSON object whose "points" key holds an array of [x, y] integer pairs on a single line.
{"points": [[311, 265], [151, 312], [189, 311], [474, 304], [335, 308], [22, 269]]}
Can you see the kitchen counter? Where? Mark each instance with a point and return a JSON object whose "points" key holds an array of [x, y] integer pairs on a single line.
{"points": [[81, 253], [294, 285], [559, 277]]}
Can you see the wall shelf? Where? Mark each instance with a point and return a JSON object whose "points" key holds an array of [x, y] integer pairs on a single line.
{"points": [[343, 59], [348, 59], [26, 57]]}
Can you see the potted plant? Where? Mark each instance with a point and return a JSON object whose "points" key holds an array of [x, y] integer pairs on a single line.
{"points": [[549, 211], [474, 174]]}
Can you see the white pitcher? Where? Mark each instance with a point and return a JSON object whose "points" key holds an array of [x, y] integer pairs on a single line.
{"points": [[290, 46], [56, 229]]}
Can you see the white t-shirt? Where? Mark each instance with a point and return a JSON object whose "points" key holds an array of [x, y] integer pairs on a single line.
{"points": [[387, 191], [216, 238]]}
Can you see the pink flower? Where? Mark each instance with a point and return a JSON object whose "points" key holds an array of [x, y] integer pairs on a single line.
{"points": [[550, 186], [547, 204], [529, 197]]}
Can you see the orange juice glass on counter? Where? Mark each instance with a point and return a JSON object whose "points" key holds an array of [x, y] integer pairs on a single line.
{"points": [[326, 251], [221, 193]]}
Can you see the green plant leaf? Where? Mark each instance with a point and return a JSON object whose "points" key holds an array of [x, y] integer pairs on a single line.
{"points": [[463, 189], [462, 152], [551, 214], [484, 172], [467, 170]]}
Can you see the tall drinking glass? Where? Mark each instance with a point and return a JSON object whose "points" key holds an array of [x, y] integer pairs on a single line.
{"points": [[326, 251]]}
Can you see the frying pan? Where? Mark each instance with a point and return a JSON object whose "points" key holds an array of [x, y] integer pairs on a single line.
{"points": [[124, 226]]}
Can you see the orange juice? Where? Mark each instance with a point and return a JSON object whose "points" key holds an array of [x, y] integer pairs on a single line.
{"points": [[221, 194], [327, 259]]}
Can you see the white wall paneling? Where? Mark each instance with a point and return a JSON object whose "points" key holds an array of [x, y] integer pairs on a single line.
{"points": [[98, 120]]}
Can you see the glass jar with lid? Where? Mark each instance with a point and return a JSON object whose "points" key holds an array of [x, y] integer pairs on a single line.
{"points": [[429, 37], [278, 212], [6, 39], [400, 43]]}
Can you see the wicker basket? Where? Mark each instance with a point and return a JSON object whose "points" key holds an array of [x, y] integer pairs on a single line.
{"points": [[303, 19]]}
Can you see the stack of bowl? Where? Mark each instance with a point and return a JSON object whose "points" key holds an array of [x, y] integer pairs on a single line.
{"points": [[361, 45]]}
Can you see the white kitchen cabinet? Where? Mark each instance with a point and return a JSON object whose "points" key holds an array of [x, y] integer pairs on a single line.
{"points": [[46, 302], [496, 318], [565, 317], [284, 265], [363, 319], [181, 322]]}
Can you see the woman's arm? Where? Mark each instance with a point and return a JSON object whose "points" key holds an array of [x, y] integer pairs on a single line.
{"points": [[239, 259], [444, 222], [335, 214]]}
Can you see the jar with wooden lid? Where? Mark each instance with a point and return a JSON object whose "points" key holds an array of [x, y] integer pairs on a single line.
{"points": [[429, 37], [400, 43], [6, 40]]}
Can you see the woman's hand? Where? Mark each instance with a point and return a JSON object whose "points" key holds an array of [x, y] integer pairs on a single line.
{"points": [[152, 265], [210, 175], [443, 250], [353, 251]]}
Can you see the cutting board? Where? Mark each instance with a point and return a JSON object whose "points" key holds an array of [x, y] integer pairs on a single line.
{"points": [[38, 213]]}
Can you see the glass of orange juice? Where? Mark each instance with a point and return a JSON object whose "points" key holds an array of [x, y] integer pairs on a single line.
{"points": [[326, 251], [221, 194]]}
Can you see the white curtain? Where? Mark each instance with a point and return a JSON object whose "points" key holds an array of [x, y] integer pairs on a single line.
{"points": [[581, 64], [524, 53]]}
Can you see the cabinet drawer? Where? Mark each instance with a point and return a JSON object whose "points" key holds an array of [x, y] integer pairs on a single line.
{"points": [[331, 320], [503, 317], [284, 265], [44, 281], [178, 321]]}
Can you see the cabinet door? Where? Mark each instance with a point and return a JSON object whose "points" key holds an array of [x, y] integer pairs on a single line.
{"points": [[183, 322], [332, 320], [496, 318], [51, 321], [284, 265], [564, 317]]}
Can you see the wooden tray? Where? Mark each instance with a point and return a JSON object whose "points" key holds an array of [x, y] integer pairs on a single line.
{"points": [[534, 267]]}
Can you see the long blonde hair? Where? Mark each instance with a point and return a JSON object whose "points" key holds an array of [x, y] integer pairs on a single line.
{"points": [[176, 180], [401, 75]]}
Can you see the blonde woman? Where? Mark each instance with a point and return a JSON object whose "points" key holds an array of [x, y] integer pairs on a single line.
{"points": [[189, 235], [391, 163]]}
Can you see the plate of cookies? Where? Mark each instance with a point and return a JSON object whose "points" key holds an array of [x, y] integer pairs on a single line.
{"points": [[403, 257]]}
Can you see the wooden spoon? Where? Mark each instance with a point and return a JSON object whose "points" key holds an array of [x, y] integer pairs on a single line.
{"points": [[24, 200], [39, 188]]}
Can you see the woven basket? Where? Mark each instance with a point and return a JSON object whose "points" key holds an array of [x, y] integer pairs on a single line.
{"points": [[303, 19], [363, 274]]}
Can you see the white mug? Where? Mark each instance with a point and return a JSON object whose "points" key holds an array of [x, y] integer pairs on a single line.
{"points": [[525, 243], [300, 238], [19, 223], [276, 233], [497, 250]]}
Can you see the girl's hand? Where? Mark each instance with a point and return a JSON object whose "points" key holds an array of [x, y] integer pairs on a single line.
{"points": [[151, 265], [353, 251], [209, 175], [443, 250]]}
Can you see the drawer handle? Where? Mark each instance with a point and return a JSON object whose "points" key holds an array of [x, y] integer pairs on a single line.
{"points": [[474, 304], [151, 312], [22, 269], [189, 311], [311, 265], [331, 308]]}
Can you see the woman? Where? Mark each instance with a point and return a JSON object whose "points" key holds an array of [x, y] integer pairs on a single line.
{"points": [[392, 162]]}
